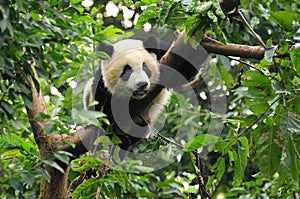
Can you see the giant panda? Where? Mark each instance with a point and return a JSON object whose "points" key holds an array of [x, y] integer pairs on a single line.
{"points": [[127, 78], [130, 89]]}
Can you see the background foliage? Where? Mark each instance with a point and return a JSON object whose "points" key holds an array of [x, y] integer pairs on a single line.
{"points": [[258, 155]]}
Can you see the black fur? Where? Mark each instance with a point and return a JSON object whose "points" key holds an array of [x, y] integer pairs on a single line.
{"points": [[105, 48], [126, 73], [103, 96]]}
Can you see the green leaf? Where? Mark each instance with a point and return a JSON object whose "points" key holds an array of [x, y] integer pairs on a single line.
{"points": [[3, 25], [218, 10], [56, 56], [295, 57], [225, 146], [87, 189], [49, 161], [255, 79], [164, 12], [292, 160], [248, 121], [179, 100], [44, 173], [28, 178], [244, 144], [285, 19], [87, 116], [16, 184], [257, 106], [240, 160], [240, 164], [200, 141], [188, 5], [203, 7], [63, 156], [212, 16], [49, 128], [151, 12], [269, 151], [226, 76], [89, 163], [104, 140], [24, 144], [219, 168], [289, 124], [194, 24]]}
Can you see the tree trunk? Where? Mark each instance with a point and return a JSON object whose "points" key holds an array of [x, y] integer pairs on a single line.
{"points": [[57, 188]]}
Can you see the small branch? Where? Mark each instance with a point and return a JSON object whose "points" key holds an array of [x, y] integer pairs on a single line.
{"points": [[261, 116], [295, 147], [200, 179], [251, 29]]}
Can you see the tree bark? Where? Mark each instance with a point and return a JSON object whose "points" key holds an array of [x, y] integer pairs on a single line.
{"points": [[47, 144], [244, 51]]}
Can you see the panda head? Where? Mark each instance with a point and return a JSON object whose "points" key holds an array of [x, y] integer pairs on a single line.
{"points": [[132, 71]]}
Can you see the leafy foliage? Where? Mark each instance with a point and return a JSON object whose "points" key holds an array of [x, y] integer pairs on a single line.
{"points": [[258, 153]]}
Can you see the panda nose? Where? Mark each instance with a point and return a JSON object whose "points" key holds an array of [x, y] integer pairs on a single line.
{"points": [[142, 85]]}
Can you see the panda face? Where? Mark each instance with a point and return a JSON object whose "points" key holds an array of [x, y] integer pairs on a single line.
{"points": [[131, 73], [136, 80]]}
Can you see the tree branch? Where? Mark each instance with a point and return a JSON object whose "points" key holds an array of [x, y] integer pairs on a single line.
{"points": [[47, 144], [251, 29], [237, 50]]}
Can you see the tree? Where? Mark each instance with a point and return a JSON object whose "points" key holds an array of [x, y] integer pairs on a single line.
{"points": [[44, 45]]}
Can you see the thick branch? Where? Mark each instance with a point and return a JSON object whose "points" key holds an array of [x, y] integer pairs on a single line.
{"points": [[38, 106], [237, 50]]}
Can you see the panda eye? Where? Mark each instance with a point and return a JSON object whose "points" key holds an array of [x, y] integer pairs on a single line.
{"points": [[126, 73], [146, 69]]}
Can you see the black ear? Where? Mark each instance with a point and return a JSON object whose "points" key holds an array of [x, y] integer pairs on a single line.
{"points": [[106, 48], [155, 45]]}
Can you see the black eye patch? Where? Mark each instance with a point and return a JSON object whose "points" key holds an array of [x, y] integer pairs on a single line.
{"points": [[147, 71], [127, 70]]}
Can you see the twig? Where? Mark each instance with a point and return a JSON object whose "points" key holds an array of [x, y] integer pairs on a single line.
{"points": [[250, 66], [261, 116], [295, 147], [251, 29], [163, 138], [200, 179]]}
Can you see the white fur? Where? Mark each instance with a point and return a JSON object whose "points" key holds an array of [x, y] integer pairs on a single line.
{"points": [[87, 92], [132, 52]]}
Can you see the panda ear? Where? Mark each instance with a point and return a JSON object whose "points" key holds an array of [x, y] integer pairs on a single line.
{"points": [[151, 43], [154, 45], [105, 48]]}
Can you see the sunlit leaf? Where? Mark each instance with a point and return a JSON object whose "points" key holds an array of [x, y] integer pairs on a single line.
{"points": [[89, 163], [295, 57], [285, 19], [200, 141], [87, 188]]}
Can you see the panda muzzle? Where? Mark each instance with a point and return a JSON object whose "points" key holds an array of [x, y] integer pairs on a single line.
{"points": [[141, 90]]}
